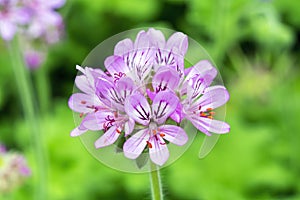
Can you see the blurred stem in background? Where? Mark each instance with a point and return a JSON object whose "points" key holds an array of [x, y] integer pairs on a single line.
{"points": [[156, 188], [43, 89], [25, 89]]}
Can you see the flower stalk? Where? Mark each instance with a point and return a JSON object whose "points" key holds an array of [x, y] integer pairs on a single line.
{"points": [[27, 99], [155, 181]]}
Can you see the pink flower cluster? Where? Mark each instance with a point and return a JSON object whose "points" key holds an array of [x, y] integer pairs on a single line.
{"points": [[37, 23], [13, 169], [145, 93]]}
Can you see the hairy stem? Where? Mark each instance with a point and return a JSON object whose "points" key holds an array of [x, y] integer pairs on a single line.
{"points": [[156, 187]]}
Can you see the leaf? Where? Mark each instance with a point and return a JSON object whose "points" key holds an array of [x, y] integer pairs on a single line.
{"points": [[142, 160], [120, 143]]}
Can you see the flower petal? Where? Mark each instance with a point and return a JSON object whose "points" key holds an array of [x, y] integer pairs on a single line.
{"points": [[108, 138], [108, 94], [142, 41], [165, 78], [179, 41], [83, 84], [97, 121], [164, 104], [137, 107], [7, 30], [213, 97], [174, 134], [77, 132], [125, 87], [195, 87], [207, 125], [178, 115], [159, 152], [157, 38], [135, 145], [203, 71], [129, 126], [82, 103], [115, 65], [123, 47]]}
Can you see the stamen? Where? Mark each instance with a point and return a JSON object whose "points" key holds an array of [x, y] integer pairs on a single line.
{"points": [[109, 122], [81, 115], [119, 130], [162, 135], [154, 131], [202, 114], [149, 144], [208, 113], [117, 76], [83, 102]]}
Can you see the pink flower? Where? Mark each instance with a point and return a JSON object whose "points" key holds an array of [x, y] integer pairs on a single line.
{"points": [[154, 134]]}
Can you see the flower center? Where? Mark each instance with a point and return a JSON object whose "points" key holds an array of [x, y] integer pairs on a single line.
{"points": [[208, 113]]}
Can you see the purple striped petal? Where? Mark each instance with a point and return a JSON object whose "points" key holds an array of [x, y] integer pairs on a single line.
{"points": [[159, 152], [178, 41], [98, 121], [137, 107], [82, 103], [178, 115], [165, 78], [116, 66], [108, 138], [134, 146], [164, 104], [108, 94], [213, 97], [125, 87], [207, 125], [195, 87], [203, 69], [174, 134]]}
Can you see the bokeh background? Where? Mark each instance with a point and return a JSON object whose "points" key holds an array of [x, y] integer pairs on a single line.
{"points": [[255, 45]]}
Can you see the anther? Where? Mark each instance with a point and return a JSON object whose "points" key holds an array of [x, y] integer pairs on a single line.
{"points": [[81, 115], [118, 130], [149, 144], [162, 135], [202, 114], [83, 102]]}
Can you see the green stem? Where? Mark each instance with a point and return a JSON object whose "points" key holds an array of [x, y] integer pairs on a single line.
{"points": [[43, 89], [25, 89], [156, 188]]}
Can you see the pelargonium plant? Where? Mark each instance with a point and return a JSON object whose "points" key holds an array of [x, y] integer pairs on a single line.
{"points": [[35, 21], [13, 169], [141, 98], [28, 27]]}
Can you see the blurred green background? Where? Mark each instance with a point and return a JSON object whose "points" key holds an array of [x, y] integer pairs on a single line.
{"points": [[255, 45]]}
